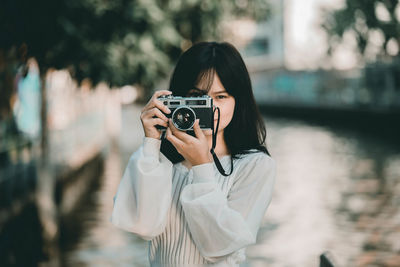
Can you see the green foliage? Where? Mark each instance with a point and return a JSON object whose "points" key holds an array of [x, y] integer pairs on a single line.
{"points": [[363, 17], [120, 41]]}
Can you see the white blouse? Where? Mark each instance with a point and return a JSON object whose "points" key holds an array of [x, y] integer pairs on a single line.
{"points": [[195, 217]]}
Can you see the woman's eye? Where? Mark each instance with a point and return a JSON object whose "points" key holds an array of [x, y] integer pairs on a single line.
{"points": [[221, 96]]}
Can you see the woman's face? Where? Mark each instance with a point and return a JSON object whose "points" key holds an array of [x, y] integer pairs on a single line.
{"points": [[222, 100]]}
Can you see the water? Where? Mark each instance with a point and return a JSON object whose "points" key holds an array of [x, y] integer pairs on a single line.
{"points": [[336, 190]]}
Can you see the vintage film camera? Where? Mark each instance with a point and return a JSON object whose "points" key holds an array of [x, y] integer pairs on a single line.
{"points": [[185, 111]]}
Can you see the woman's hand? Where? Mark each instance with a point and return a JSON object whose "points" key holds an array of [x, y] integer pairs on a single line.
{"points": [[193, 149], [152, 115]]}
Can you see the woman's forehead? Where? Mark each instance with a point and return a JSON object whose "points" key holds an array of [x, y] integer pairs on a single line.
{"points": [[206, 85]]}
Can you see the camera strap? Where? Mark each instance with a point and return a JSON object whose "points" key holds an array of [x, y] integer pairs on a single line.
{"points": [[214, 143]]}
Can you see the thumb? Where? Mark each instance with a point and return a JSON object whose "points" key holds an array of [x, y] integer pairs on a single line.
{"points": [[198, 132]]}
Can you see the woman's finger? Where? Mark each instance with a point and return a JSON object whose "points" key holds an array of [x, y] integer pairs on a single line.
{"points": [[157, 121], [197, 131], [178, 144], [156, 94], [154, 112], [155, 103], [160, 93], [179, 134]]}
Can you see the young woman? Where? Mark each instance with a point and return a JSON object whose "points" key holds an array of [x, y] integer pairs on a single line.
{"points": [[172, 193]]}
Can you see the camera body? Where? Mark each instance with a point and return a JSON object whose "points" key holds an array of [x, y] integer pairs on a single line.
{"points": [[185, 111]]}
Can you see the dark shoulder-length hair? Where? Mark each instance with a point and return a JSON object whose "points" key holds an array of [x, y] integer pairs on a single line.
{"points": [[246, 132]]}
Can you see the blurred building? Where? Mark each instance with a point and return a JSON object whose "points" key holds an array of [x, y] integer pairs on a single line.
{"points": [[261, 44], [290, 37], [289, 64], [266, 50]]}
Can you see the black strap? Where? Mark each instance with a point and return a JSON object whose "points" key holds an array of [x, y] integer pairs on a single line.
{"points": [[214, 143]]}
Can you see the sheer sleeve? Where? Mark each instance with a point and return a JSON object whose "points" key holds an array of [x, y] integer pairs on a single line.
{"points": [[142, 202], [220, 224]]}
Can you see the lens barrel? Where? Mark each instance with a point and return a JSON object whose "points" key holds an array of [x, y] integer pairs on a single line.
{"points": [[183, 118]]}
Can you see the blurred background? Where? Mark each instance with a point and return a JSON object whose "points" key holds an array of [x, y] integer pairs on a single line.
{"points": [[74, 76]]}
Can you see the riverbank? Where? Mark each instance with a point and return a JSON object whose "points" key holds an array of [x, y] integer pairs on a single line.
{"points": [[379, 123]]}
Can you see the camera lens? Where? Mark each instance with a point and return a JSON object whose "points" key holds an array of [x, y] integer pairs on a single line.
{"points": [[183, 118]]}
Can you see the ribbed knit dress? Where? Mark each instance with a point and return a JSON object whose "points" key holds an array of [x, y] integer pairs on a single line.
{"points": [[193, 217]]}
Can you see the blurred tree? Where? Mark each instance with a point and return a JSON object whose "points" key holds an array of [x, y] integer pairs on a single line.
{"points": [[376, 27], [376, 21], [119, 42]]}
